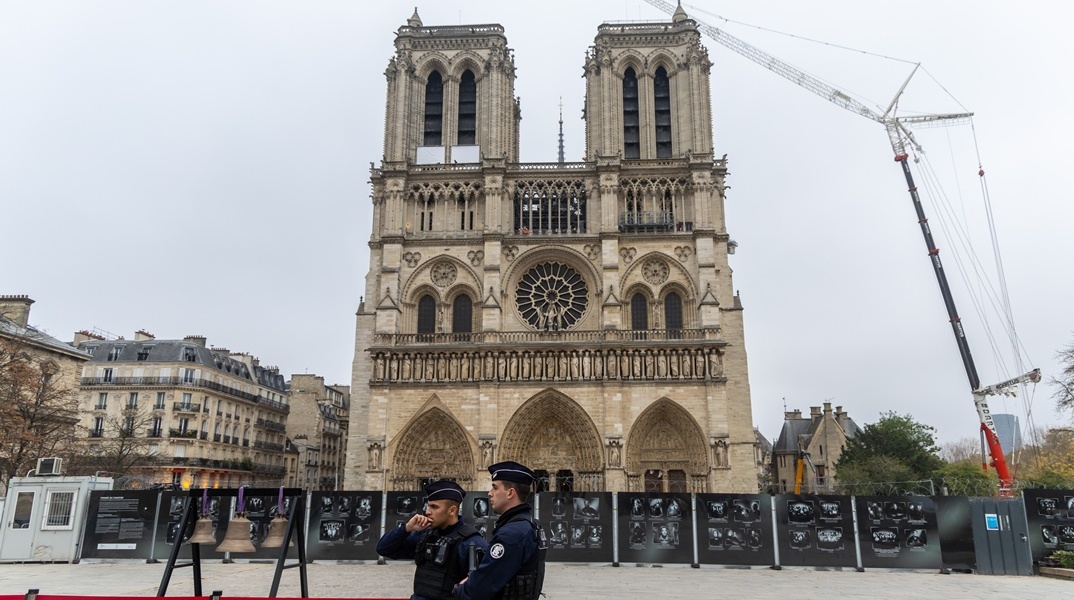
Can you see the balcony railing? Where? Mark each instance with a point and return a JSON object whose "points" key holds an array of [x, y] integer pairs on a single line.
{"points": [[154, 433], [538, 338], [186, 407], [96, 433], [263, 468], [179, 433], [268, 446], [169, 382], [275, 426]]}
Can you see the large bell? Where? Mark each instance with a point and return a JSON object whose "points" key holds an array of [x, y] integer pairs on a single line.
{"points": [[237, 538], [277, 531], [203, 531]]}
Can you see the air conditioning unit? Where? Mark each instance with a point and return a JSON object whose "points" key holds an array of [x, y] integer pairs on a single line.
{"points": [[49, 466]]}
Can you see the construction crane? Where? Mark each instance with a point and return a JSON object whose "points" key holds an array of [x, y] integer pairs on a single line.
{"points": [[900, 137]]}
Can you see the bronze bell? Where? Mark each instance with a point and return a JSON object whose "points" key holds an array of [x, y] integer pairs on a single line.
{"points": [[203, 531], [237, 538], [277, 531]]}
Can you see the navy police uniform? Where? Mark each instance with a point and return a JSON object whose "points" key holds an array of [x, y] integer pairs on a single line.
{"points": [[513, 567], [441, 555]]}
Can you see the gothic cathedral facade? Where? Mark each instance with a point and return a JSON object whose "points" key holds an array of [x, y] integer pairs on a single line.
{"points": [[578, 317]]}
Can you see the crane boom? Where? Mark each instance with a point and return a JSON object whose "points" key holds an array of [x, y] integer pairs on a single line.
{"points": [[900, 136]]}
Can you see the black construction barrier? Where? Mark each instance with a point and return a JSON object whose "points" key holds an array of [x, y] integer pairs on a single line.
{"points": [[735, 529], [578, 526], [345, 525], [1050, 514], [898, 532], [477, 511], [170, 516], [815, 531], [655, 528], [119, 524]]}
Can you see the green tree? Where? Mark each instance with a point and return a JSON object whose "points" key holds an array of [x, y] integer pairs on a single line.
{"points": [[966, 478], [893, 450]]}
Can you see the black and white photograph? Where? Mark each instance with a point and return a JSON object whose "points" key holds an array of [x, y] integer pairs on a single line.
{"points": [[331, 530], [557, 532], [327, 505], [916, 538], [830, 538], [175, 507], [1066, 534], [173, 532], [637, 533], [359, 532], [578, 535], [665, 534], [656, 507], [559, 506], [406, 505], [735, 537], [586, 508], [637, 508], [674, 508], [915, 511], [800, 511], [1047, 506], [365, 507], [800, 539], [715, 537], [876, 510], [1048, 534], [255, 506], [1070, 503], [481, 508], [343, 506], [746, 510], [755, 537], [830, 509], [895, 510], [885, 538], [595, 536], [716, 510]]}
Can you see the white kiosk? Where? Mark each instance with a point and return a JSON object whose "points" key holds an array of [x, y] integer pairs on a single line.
{"points": [[44, 514]]}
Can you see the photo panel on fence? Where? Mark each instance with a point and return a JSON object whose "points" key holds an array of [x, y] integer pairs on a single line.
{"points": [[655, 528], [171, 515], [260, 511], [1050, 514], [119, 524], [344, 525], [735, 529], [898, 532], [578, 526], [477, 511], [815, 531]]}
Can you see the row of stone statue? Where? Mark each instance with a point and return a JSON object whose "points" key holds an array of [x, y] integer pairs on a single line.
{"points": [[551, 365]]}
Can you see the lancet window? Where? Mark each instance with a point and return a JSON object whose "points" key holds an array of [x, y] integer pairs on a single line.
{"points": [[550, 208], [434, 109]]}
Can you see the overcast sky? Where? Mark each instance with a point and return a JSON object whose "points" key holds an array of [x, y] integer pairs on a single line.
{"points": [[202, 168]]}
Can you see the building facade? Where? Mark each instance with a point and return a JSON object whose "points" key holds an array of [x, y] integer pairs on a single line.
{"points": [[822, 436], [577, 317], [317, 426], [210, 417], [39, 376]]}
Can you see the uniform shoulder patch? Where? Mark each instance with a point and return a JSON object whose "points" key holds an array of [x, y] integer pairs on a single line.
{"points": [[496, 551]]}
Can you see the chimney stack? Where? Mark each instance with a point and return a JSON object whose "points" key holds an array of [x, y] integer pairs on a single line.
{"points": [[16, 308], [142, 336], [814, 411], [197, 340]]}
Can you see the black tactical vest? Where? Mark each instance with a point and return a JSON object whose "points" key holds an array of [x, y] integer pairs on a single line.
{"points": [[438, 563], [529, 581]]}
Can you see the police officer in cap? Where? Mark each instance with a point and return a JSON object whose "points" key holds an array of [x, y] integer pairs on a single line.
{"points": [[513, 568], [438, 541]]}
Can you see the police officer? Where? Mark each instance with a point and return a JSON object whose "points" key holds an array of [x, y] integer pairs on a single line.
{"points": [[438, 541], [513, 568]]}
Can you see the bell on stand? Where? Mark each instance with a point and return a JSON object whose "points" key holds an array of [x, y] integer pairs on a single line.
{"points": [[278, 527], [277, 531], [203, 529], [237, 537]]}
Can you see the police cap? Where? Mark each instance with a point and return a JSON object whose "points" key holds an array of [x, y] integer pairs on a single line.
{"points": [[445, 490], [510, 470]]}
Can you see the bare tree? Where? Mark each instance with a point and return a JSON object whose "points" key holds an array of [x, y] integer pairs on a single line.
{"points": [[1064, 384], [965, 449], [122, 447], [38, 412]]}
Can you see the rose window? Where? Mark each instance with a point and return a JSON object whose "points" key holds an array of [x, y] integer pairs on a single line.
{"points": [[551, 296]]}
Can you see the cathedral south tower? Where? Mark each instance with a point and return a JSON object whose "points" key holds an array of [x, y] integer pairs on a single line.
{"points": [[576, 317]]}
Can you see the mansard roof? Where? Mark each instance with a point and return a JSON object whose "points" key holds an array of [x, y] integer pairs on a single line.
{"points": [[38, 338]]}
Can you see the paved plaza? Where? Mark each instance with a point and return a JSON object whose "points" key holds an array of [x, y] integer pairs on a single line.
{"points": [[564, 580]]}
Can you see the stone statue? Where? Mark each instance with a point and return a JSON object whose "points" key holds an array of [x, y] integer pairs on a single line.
{"points": [[374, 457]]}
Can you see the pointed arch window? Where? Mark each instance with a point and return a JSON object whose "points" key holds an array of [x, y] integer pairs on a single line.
{"points": [[467, 109], [631, 121], [434, 110], [673, 311], [427, 314], [639, 312], [662, 106], [462, 314]]}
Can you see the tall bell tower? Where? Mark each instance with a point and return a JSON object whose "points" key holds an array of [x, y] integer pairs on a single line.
{"points": [[577, 317]]}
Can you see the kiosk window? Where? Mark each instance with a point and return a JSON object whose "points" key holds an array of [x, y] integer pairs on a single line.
{"points": [[59, 507], [24, 506]]}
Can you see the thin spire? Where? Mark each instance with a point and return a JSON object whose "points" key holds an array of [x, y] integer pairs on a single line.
{"points": [[561, 130]]}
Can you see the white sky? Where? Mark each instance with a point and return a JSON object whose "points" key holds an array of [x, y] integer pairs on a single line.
{"points": [[202, 168]]}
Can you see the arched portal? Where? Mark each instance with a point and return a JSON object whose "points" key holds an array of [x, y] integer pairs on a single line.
{"points": [[666, 450], [552, 434], [432, 446]]}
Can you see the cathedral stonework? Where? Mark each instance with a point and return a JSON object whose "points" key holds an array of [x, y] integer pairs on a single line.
{"points": [[577, 317]]}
